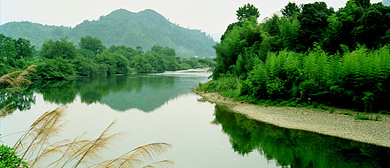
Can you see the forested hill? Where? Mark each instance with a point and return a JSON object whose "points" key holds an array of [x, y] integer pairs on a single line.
{"points": [[121, 27]]}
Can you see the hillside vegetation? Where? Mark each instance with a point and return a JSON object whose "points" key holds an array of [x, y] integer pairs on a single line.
{"points": [[121, 27], [61, 59], [310, 56]]}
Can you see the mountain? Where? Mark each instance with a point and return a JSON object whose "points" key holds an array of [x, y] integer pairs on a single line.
{"points": [[121, 27]]}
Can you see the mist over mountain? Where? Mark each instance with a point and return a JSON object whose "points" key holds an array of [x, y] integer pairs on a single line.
{"points": [[121, 27]]}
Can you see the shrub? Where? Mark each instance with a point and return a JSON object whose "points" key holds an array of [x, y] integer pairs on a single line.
{"points": [[8, 158]]}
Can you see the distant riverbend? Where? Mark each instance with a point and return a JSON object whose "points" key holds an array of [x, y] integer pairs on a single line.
{"points": [[333, 124]]}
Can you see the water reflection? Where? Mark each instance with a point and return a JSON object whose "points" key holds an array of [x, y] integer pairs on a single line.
{"points": [[20, 100], [121, 93], [296, 148]]}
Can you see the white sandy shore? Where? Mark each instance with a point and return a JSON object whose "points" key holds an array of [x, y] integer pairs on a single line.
{"points": [[322, 122]]}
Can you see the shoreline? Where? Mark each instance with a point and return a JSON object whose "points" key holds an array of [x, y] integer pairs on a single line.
{"points": [[335, 124]]}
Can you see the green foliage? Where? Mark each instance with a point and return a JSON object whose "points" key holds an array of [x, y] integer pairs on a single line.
{"points": [[14, 54], [228, 85], [235, 43], [61, 59], [247, 12], [290, 10], [312, 56], [367, 117], [58, 49], [8, 158], [313, 22], [92, 44], [54, 69], [358, 79]]}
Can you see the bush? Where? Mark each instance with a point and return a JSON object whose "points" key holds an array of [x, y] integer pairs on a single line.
{"points": [[8, 158]]}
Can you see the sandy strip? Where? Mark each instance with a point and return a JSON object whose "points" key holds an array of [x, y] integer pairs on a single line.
{"points": [[322, 122]]}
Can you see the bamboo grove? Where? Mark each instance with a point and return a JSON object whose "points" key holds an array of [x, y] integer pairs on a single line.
{"points": [[312, 55]]}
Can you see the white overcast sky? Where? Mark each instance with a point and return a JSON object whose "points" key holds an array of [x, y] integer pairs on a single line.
{"points": [[210, 16]]}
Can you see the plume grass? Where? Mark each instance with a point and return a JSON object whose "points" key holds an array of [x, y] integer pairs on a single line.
{"points": [[34, 146], [11, 83]]}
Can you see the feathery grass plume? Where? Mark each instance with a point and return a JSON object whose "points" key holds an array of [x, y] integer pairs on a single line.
{"points": [[91, 149], [34, 146], [16, 80], [6, 109], [12, 82], [30, 146], [140, 156], [163, 163]]}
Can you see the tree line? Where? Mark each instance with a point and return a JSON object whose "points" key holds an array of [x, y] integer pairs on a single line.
{"points": [[311, 55], [61, 59]]}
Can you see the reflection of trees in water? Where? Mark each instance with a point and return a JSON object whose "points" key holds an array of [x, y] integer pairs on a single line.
{"points": [[20, 100], [57, 91], [144, 92], [296, 148]]}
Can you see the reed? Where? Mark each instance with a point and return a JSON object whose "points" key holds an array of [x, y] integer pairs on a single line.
{"points": [[35, 148], [11, 83]]}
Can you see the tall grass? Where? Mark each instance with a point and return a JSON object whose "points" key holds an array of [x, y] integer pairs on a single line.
{"points": [[11, 83], [34, 147]]}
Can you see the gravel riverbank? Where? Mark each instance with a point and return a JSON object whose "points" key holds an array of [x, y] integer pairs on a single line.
{"points": [[323, 122]]}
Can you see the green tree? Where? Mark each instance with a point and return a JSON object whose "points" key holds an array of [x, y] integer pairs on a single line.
{"points": [[58, 68], [92, 44], [247, 12], [363, 3], [289, 31], [290, 10], [313, 20], [107, 59], [373, 27], [58, 49], [234, 44]]}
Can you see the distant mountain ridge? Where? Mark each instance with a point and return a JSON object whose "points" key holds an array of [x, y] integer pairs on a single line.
{"points": [[121, 27]]}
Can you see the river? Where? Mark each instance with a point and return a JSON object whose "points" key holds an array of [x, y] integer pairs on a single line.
{"points": [[161, 108]]}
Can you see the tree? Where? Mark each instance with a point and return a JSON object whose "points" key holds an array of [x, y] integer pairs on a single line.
{"points": [[289, 31], [24, 49], [58, 49], [313, 21], [347, 17], [58, 68], [363, 3], [235, 42], [290, 10], [247, 12], [373, 27], [92, 43]]}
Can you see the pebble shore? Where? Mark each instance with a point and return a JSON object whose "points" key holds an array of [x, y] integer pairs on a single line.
{"points": [[334, 123]]}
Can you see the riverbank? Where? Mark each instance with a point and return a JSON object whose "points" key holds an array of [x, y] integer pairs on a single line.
{"points": [[334, 123]]}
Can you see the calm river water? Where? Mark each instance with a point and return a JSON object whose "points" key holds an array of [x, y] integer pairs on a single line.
{"points": [[162, 108]]}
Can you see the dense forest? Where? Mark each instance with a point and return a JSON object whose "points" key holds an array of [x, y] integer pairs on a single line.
{"points": [[61, 59], [121, 27], [311, 55]]}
